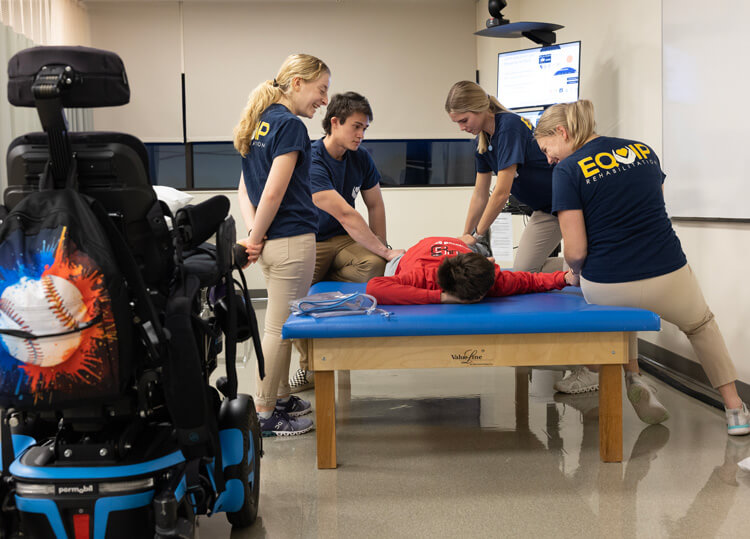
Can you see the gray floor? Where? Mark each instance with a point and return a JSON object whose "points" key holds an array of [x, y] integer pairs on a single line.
{"points": [[448, 453]]}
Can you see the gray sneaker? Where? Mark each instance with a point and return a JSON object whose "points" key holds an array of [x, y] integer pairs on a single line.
{"points": [[295, 406], [579, 380], [280, 424], [301, 381], [643, 398]]}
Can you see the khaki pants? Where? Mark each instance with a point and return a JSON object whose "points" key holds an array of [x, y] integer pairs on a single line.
{"points": [[287, 265], [340, 258], [678, 299], [541, 235]]}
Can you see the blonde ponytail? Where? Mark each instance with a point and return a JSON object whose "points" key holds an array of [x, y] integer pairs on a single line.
{"points": [[467, 96], [263, 96], [304, 66], [577, 119]]}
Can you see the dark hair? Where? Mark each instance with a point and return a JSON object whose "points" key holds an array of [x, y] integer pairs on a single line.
{"points": [[467, 276], [344, 105]]}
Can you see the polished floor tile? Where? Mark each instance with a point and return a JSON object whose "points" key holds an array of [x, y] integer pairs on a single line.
{"points": [[450, 453]]}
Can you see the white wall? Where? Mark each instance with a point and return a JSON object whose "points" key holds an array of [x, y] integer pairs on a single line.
{"points": [[147, 38], [381, 49], [373, 46]]}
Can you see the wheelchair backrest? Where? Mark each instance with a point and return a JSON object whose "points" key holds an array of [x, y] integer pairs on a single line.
{"points": [[113, 169]]}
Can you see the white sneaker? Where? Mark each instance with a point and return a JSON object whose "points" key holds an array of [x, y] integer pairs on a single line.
{"points": [[579, 380], [738, 421], [644, 401]]}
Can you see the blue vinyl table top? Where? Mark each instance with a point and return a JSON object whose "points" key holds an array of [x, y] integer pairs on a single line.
{"points": [[560, 311]]}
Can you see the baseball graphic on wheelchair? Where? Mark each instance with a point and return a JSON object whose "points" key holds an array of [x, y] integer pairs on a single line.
{"points": [[45, 313]]}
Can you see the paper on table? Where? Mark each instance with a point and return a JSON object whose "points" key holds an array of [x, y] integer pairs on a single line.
{"points": [[501, 237]]}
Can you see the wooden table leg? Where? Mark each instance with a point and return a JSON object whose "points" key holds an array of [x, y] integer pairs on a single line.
{"points": [[325, 419], [610, 413]]}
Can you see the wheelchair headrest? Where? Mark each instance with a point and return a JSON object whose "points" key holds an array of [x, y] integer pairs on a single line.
{"points": [[85, 77]]}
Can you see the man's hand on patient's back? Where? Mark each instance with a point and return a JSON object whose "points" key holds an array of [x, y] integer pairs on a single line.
{"points": [[393, 253]]}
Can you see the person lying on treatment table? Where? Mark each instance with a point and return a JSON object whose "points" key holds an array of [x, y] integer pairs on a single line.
{"points": [[447, 270]]}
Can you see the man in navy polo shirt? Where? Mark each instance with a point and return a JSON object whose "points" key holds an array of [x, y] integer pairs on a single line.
{"points": [[348, 248]]}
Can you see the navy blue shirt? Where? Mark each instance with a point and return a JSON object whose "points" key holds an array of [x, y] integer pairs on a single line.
{"points": [[513, 143], [618, 185], [355, 172], [280, 132]]}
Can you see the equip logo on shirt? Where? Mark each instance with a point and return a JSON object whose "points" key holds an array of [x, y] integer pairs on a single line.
{"points": [[260, 131], [631, 155]]}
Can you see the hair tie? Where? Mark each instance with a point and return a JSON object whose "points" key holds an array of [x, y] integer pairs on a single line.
{"points": [[275, 84]]}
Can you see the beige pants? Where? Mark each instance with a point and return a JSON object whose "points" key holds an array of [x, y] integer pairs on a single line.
{"points": [[287, 265], [541, 235], [678, 299], [340, 258]]}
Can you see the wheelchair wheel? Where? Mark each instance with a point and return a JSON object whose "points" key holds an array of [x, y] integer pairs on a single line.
{"points": [[247, 514]]}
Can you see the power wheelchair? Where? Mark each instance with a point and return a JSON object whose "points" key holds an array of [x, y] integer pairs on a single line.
{"points": [[140, 448]]}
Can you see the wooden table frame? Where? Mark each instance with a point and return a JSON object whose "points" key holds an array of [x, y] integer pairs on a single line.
{"points": [[607, 349]]}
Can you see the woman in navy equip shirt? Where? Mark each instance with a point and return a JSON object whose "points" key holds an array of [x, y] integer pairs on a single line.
{"points": [[276, 202], [608, 195], [505, 147]]}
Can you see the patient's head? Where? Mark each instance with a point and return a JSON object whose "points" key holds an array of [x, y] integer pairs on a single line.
{"points": [[468, 276]]}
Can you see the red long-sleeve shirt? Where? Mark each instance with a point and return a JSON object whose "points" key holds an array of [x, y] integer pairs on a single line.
{"points": [[415, 281]]}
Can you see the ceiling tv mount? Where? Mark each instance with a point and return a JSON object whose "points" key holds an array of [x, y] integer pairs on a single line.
{"points": [[541, 33]]}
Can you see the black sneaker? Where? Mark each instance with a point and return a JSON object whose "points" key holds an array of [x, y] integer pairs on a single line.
{"points": [[280, 424], [301, 381]]}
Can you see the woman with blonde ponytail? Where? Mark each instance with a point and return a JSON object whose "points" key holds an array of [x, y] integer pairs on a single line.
{"points": [[608, 195], [276, 203], [506, 147]]}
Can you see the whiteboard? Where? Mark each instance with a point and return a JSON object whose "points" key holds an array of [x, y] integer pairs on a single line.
{"points": [[706, 119]]}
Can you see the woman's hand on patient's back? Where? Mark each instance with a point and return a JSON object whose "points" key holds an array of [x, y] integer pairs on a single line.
{"points": [[573, 279], [468, 239]]}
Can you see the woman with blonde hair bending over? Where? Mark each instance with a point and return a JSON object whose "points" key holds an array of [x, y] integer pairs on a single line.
{"points": [[608, 195], [276, 202], [506, 147]]}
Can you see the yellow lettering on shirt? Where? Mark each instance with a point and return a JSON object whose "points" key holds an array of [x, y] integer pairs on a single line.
{"points": [[262, 130], [643, 149], [632, 147], [588, 167], [605, 160]]}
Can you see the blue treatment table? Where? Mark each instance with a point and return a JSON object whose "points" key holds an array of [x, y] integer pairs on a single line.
{"points": [[552, 328]]}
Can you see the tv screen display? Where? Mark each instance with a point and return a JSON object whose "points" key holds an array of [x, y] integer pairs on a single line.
{"points": [[539, 77]]}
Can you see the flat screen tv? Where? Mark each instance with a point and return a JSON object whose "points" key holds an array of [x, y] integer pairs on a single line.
{"points": [[539, 77]]}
